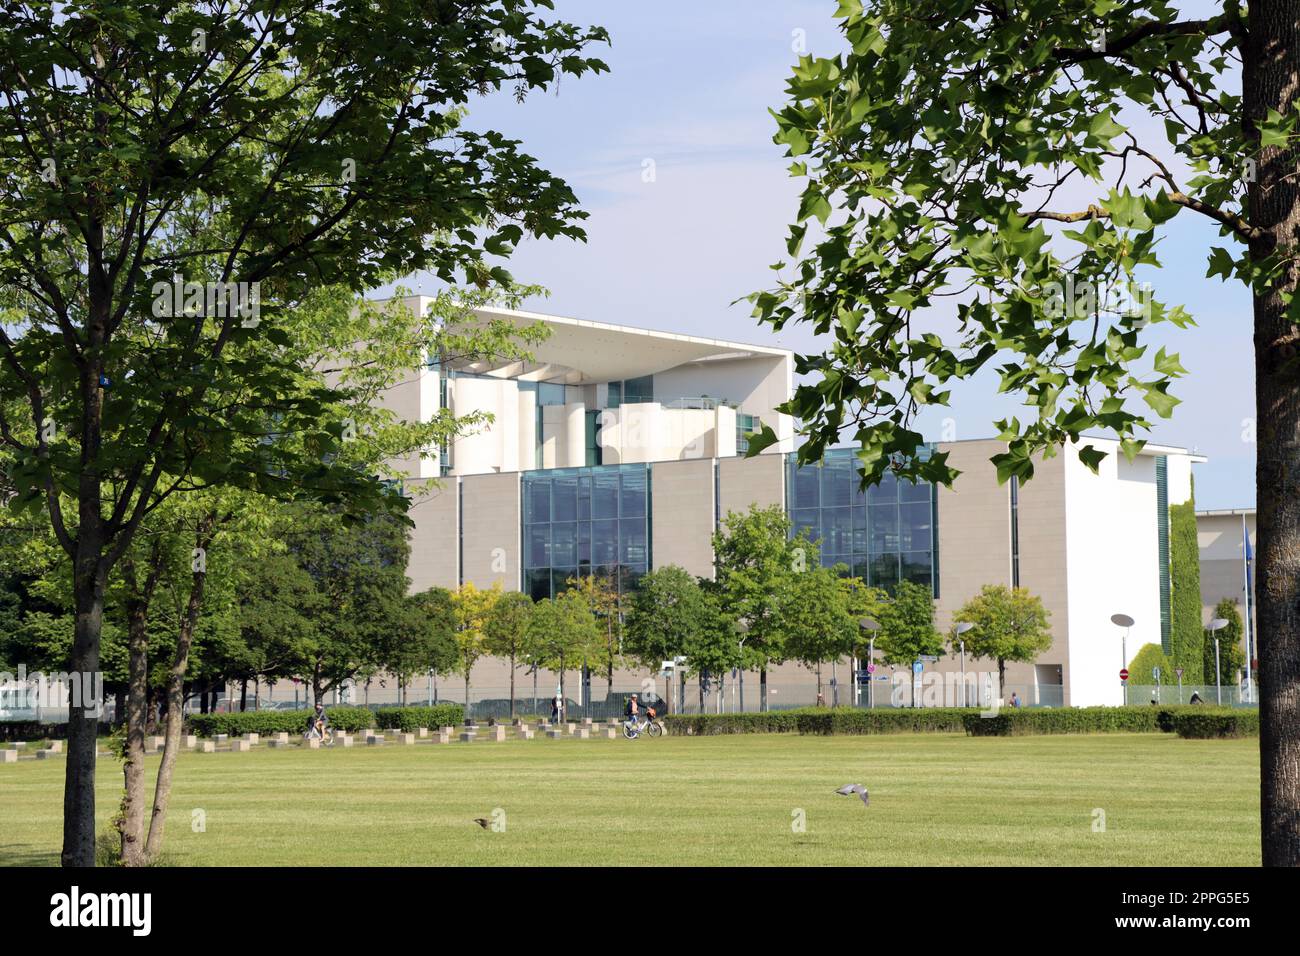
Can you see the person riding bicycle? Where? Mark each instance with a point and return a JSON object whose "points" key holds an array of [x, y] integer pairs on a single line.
{"points": [[319, 722], [632, 711]]}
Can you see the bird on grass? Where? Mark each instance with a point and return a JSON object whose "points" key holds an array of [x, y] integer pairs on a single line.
{"points": [[849, 789], [484, 822]]}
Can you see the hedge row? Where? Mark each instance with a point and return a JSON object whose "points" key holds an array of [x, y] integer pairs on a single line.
{"points": [[348, 719], [408, 719], [1086, 720], [1200, 721], [821, 720], [1204, 725]]}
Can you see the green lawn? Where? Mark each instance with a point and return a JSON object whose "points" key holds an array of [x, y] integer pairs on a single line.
{"points": [[935, 799]]}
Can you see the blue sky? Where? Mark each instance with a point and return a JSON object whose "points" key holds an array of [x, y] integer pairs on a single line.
{"points": [[690, 89]]}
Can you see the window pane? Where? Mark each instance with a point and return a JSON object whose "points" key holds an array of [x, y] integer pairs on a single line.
{"points": [[584, 498], [805, 488], [837, 483], [887, 490], [584, 542], [807, 518], [548, 393], [538, 583], [604, 542], [564, 543], [914, 526], [634, 494], [604, 495], [916, 567], [537, 500], [860, 529], [615, 395], [884, 571], [882, 532], [537, 546], [837, 530], [639, 389], [910, 492], [560, 579], [564, 499], [632, 542]]}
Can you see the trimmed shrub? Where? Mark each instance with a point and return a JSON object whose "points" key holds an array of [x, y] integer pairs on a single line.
{"points": [[821, 720], [347, 719], [1078, 720], [883, 721], [1200, 724], [408, 719]]}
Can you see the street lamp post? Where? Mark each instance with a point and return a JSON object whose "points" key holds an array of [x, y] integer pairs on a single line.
{"points": [[1214, 627], [1124, 621], [871, 626], [962, 628]]}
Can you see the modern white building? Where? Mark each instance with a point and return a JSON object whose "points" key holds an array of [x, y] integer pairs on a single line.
{"points": [[618, 450]]}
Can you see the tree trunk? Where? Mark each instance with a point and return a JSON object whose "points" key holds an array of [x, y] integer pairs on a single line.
{"points": [[512, 685], [139, 599], [1271, 71], [175, 702], [131, 828], [762, 688]]}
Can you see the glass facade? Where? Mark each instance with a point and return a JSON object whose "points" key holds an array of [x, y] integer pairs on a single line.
{"points": [[745, 426], [582, 521], [887, 534]]}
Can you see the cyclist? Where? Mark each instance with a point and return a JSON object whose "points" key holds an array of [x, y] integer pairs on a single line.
{"points": [[632, 711], [319, 722]]}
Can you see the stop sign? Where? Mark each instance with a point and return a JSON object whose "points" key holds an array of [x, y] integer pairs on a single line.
{"points": [[1123, 674]]}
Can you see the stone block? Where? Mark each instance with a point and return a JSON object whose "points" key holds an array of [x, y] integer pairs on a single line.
{"points": [[404, 739], [467, 736], [239, 746], [374, 740], [313, 743], [208, 747], [555, 733], [8, 756]]}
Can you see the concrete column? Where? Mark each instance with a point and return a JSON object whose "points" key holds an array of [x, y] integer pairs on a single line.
{"points": [[575, 435]]}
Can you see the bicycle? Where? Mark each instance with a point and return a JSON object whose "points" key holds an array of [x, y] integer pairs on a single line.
{"points": [[632, 730], [324, 734]]}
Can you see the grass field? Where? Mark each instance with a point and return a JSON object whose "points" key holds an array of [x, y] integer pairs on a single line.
{"points": [[935, 799]]}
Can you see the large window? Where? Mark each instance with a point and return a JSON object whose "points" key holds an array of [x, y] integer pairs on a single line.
{"points": [[885, 535], [583, 521]]}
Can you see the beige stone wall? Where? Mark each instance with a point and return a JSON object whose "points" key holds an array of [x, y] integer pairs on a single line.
{"points": [[1043, 561], [974, 528], [745, 481], [492, 518], [682, 515], [434, 539]]}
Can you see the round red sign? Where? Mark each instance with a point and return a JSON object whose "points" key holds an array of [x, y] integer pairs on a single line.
{"points": [[1123, 674]]}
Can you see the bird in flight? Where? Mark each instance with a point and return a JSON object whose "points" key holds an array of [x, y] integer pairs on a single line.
{"points": [[484, 822], [849, 789]]}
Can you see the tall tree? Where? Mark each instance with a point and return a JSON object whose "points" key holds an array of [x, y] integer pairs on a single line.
{"points": [[562, 631], [472, 608], [817, 620], [907, 629], [1011, 624], [668, 615], [309, 145], [426, 643], [972, 153], [756, 563], [506, 631]]}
